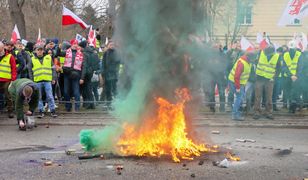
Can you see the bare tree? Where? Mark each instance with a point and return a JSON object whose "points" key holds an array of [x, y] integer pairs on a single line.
{"points": [[17, 16]]}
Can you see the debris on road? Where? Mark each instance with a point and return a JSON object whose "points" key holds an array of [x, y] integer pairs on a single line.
{"points": [[201, 163], [48, 163], [70, 151], [88, 156], [119, 168], [246, 140], [224, 163], [232, 157], [215, 132], [193, 175], [284, 152], [184, 165], [109, 166]]}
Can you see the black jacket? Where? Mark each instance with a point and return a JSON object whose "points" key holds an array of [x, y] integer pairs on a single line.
{"points": [[91, 62]]}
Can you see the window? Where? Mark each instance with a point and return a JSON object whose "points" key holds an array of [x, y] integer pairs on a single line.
{"points": [[245, 16]]}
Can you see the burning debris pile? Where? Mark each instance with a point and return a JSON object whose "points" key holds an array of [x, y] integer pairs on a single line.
{"points": [[165, 134], [160, 45]]}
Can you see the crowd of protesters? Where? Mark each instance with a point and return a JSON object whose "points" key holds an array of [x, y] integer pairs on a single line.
{"points": [[260, 78], [68, 71], [61, 72]]}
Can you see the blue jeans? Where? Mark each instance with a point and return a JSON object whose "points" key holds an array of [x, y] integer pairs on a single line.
{"points": [[71, 86], [238, 99], [49, 96]]}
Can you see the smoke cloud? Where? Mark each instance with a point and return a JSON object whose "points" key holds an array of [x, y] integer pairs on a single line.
{"points": [[160, 43]]}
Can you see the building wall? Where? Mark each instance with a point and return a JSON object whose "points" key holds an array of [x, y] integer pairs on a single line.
{"points": [[265, 17]]}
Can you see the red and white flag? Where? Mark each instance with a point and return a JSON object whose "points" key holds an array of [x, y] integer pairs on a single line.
{"points": [[69, 18], [15, 34], [301, 41], [39, 38], [296, 9], [246, 45], [92, 37], [263, 41]]}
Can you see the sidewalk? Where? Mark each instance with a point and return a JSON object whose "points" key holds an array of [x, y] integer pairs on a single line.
{"points": [[103, 118]]}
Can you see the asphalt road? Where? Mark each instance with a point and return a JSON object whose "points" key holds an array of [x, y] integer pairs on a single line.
{"points": [[23, 155]]}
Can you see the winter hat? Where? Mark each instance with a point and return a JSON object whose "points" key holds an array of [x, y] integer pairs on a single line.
{"points": [[83, 44], [73, 41]]}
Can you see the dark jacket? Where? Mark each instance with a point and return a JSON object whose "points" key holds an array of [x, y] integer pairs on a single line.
{"points": [[15, 91], [91, 62], [111, 65]]}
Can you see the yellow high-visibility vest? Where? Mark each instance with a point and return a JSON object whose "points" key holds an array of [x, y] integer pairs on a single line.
{"points": [[292, 63], [5, 67], [245, 74], [267, 68], [42, 72]]}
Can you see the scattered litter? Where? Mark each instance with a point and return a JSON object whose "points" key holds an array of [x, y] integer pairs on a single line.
{"points": [[201, 163], [48, 163], [184, 165], [101, 156], [47, 126], [193, 175], [224, 163], [285, 152], [245, 140], [232, 157], [88, 156], [215, 132], [119, 168], [70, 151], [109, 166]]}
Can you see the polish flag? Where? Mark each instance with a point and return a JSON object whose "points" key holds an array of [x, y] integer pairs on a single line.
{"points": [[39, 38], [92, 37], [15, 34], [246, 45], [301, 41], [262, 40], [69, 18]]}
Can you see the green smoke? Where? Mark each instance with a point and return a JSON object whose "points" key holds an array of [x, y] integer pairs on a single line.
{"points": [[153, 37]]}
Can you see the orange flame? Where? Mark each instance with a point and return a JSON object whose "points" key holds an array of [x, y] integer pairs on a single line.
{"points": [[232, 157], [165, 134]]}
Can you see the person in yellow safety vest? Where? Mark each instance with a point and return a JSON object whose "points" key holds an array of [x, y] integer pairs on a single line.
{"points": [[238, 78], [42, 71], [20, 62], [8, 73], [267, 70], [291, 86]]}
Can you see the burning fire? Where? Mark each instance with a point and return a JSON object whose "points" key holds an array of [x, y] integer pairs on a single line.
{"points": [[164, 134], [232, 157]]}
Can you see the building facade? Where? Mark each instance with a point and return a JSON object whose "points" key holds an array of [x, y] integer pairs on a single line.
{"points": [[258, 17]]}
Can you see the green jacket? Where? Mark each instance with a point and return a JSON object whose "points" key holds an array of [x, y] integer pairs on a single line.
{"points": [[15, 90]]}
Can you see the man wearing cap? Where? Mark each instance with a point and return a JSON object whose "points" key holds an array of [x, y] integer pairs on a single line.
{"points": [[72, 69], [238, 78], [8, 73], [267, 69], [42, 71], [291, 71], [24, 91]]}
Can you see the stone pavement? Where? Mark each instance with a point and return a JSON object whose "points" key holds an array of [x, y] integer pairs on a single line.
{"points": [[102, 118]]}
